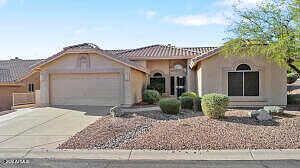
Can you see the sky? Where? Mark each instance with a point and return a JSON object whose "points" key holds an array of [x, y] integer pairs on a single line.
{"points": [[34, 29]]}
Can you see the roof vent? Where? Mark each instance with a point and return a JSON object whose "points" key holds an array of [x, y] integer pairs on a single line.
{"points": [[16, 58]]}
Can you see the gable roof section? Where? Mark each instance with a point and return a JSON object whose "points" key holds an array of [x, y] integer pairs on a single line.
{"points": [[203, 56], [92, 48], [11, 71], [158, 52]]}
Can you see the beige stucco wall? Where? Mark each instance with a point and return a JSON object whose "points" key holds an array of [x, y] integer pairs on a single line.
{"points": [[212, 78], [6, 92], [138, 84], [96, 64]]}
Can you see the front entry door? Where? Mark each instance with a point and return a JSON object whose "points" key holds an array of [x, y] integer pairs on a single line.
{"points": [[180, 85]]}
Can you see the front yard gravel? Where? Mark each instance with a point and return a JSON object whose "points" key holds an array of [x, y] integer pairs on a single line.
{"points": [[158, 131]]}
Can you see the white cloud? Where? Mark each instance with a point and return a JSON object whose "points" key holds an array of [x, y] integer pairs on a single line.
{"points": [[239, 3], [80, 31], [150, 14], [199, 19], [2, 2]]}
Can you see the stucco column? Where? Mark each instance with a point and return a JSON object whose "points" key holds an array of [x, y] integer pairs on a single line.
{"points": [[188, 76], [44, 87], [167, 85]]}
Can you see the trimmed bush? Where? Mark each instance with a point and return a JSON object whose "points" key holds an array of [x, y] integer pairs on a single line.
{"points": [[293, 99], [151, 96], [170, 106], [197, 104], [214, 105], [189, 94], [292, 77], [187, 102], [160, 87]]}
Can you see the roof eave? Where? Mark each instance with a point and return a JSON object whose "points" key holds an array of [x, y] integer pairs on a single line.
{"points": [[208, 55]]}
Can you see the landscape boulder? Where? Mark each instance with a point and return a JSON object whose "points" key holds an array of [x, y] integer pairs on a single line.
{"points": [[116, 112], [261, 115]]}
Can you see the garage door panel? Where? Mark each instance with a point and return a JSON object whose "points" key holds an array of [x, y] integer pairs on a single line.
{"points": [[96, 89]]}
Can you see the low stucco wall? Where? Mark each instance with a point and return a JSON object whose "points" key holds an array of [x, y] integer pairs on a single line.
{"points": [[138, 84], [212, 78]]}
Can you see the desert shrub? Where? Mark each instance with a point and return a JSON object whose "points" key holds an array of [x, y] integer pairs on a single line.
{"points": [[214, 105], [274, 110], [170, 106], [197, 104], [187, 102], [189, 94], [292, 77], [151, 96]]}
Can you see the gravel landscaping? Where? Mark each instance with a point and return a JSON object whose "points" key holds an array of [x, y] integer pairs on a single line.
{"points": [[158, 131]]}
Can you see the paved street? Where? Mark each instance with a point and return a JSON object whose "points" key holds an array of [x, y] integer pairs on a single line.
{"points": [[48, 163], [44, 128]]}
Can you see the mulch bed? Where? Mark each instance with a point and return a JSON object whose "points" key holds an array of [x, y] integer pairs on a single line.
{"points": [[158, 131]]}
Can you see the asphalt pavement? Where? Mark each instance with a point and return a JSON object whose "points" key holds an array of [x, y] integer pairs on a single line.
{"points": [[78, 163]]}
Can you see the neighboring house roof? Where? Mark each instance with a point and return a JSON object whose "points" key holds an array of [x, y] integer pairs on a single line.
{"points": [[80, 48], [158, 52], [203, 56], [200, 49], [11, 71]]}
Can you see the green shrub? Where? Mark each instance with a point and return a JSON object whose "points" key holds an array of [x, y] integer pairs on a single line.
{"points": [[214, 105], [189, 94], [151, 96], [293, 99], [197, 104], [187, 102], [170, 106], [292, 77], [160, 87]]}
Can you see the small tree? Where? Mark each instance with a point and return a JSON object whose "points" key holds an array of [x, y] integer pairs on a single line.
{"points": [[271, 29]]}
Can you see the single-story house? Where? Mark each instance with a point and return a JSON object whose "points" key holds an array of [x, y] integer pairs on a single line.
{"points": [[87, 75], [17, 76]]}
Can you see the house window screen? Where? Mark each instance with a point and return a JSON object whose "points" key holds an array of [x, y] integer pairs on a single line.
{"points": [[172, 85], [235, 84], [251, 83], [243, 82]]}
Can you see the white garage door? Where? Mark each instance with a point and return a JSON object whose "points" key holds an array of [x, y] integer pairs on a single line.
{"points": [[85, 89]]}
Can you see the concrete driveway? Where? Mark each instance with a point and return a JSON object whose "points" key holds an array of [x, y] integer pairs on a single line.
{"points": [[45, 128]]}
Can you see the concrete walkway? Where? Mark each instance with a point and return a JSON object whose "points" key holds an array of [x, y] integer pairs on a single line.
{"points": [[293, 154], [44, 128]]}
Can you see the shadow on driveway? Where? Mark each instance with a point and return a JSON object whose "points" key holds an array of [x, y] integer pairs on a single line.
{"points": [[88, 110]]}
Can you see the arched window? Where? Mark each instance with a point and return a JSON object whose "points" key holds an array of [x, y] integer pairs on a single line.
{"points": [[178, 66], [243, 81], [157, 82], [243, 67], [157, 74]]}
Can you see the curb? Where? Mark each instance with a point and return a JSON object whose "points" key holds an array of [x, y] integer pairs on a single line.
{"points": [[286, 154]]}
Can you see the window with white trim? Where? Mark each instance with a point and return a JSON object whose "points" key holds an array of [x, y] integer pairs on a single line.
{"points": [[243, 81]]}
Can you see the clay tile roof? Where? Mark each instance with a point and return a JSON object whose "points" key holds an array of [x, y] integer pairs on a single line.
{"points": [[158, 51], [116, 51], [201, 49], [204, 56], [12, 70]]}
